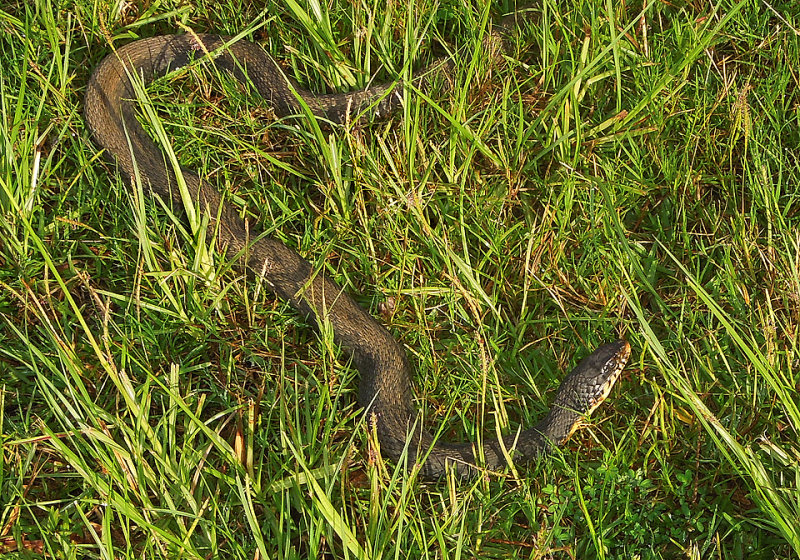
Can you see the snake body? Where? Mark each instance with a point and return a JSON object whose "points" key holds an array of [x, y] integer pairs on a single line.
{"points": [[385, 384]]}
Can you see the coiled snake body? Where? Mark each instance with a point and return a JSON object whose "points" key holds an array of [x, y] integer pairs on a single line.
{"points": [[385, 385]]}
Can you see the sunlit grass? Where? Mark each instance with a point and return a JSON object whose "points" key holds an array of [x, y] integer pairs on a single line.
{"points": [[619, 173]]}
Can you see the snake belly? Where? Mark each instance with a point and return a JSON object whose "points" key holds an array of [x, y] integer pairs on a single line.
{"points": [[385, 383]]}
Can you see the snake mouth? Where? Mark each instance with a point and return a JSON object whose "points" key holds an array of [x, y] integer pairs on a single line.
{"points": [[612, 369], [616, 364]]}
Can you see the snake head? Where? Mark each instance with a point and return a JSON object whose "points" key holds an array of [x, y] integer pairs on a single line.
{"points": [[591, 381]]}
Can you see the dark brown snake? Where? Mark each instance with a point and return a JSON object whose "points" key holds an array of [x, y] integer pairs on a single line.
{"points": [[385, 386]]}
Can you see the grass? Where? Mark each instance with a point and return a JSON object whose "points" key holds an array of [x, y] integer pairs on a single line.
{"points": [[629, 170]]}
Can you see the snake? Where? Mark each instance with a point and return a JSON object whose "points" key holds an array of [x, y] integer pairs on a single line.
{"points": [[385, 387]]}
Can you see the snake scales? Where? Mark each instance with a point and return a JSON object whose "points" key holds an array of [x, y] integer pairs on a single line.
{"points": [[385, 384]]}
